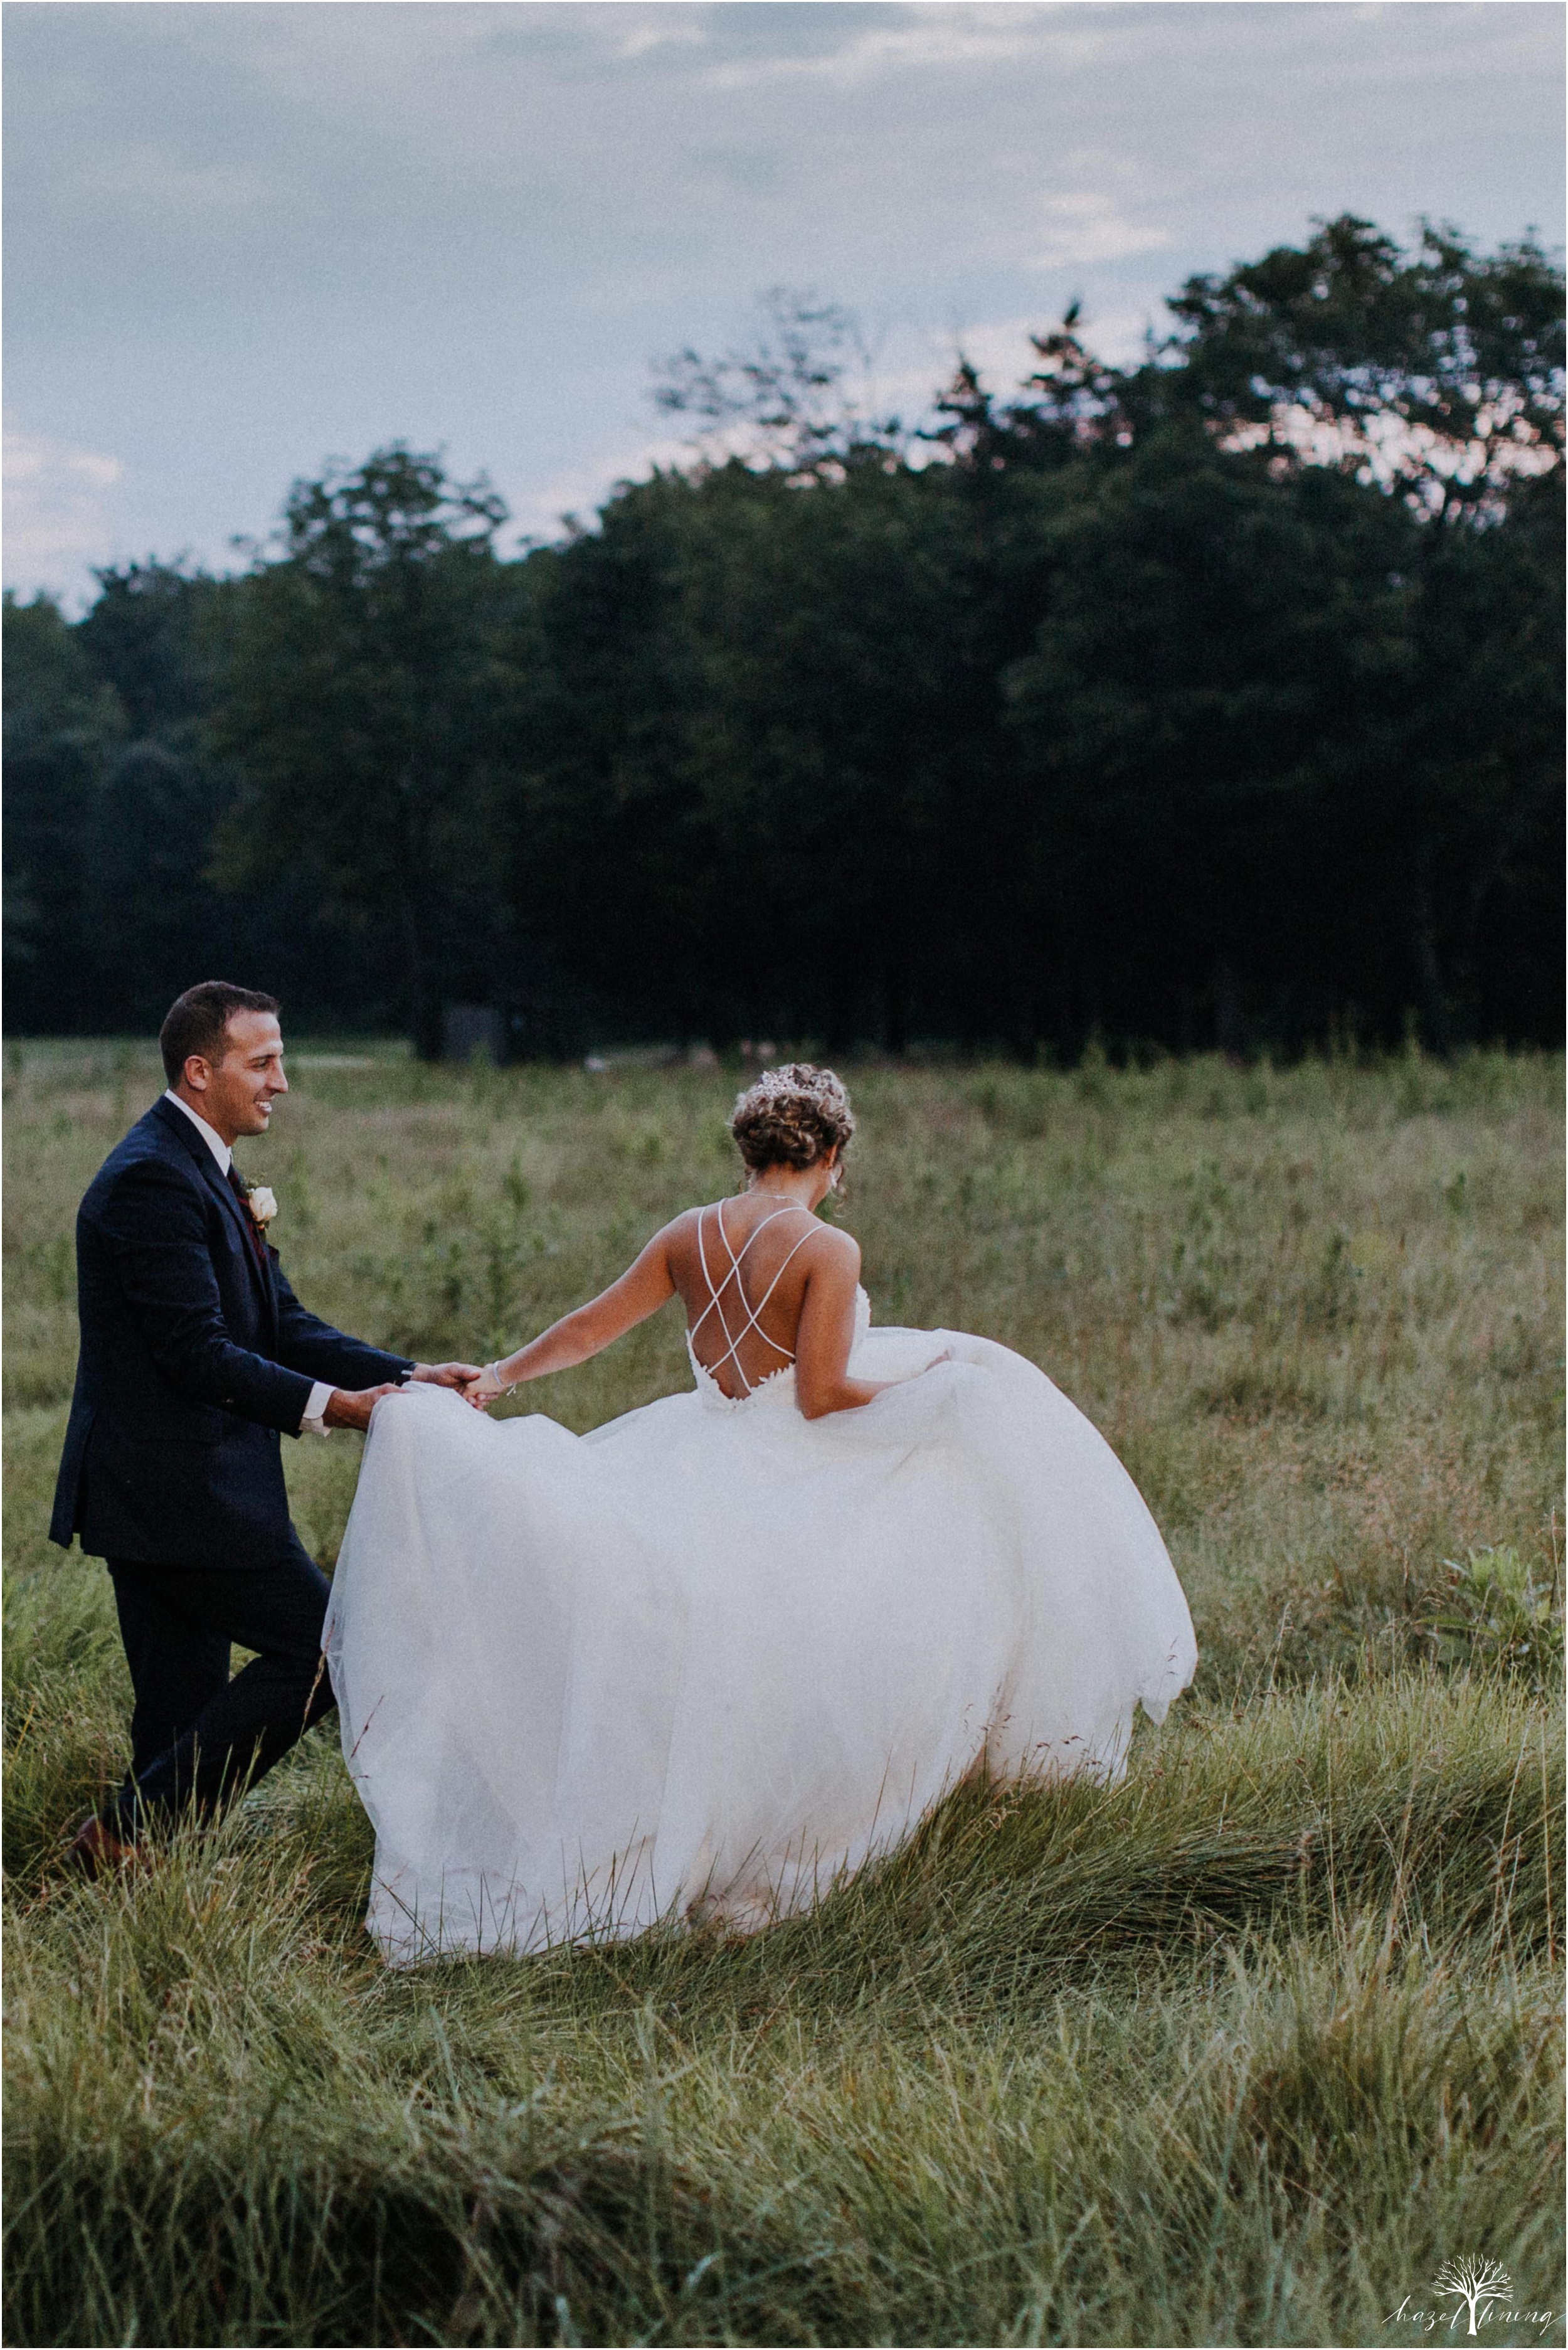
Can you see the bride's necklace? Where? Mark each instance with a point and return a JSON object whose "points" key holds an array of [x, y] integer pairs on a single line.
{"points": [[784, 1196]]}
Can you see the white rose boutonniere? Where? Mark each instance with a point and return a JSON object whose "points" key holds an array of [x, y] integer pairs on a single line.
{"points": [[262, 1205]]}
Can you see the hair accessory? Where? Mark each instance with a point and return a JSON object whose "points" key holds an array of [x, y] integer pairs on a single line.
{"points": [[785, 1084]]}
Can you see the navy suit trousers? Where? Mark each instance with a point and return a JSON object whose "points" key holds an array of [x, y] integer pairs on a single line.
{"points": [[198, 1737]]}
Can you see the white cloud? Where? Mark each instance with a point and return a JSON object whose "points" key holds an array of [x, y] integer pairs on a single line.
{"points": [[919, 362], [925, 38], [1086, 228], [580, 490], [57, 508], [654, 34], [1002, 350]]}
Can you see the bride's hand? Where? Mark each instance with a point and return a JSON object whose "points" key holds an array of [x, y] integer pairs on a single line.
{"points": [[483, 1389], [945, 1356]]}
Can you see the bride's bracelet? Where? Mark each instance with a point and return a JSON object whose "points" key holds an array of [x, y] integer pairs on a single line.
{"points": [[493, 1371]]}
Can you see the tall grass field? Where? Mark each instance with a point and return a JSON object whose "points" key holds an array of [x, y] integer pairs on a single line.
{"points": [[1248, 2049]]}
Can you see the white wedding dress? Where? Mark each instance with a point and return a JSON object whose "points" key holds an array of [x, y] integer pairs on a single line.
{"points": [[712, 1655]]}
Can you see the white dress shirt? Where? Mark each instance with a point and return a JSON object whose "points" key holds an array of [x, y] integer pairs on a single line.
{"points": [[320, 1394]]}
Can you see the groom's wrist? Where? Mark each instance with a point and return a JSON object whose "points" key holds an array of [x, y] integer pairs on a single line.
{"points": [[314, 1417]]}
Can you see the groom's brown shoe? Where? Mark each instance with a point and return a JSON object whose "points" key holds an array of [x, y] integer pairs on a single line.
{"points": [[94, 1849]]}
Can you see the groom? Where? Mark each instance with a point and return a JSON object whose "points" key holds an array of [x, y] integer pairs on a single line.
{"points": [[195, 1356]]}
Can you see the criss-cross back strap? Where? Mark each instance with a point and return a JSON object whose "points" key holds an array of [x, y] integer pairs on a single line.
{"points": [[731, 1353], [715, 1295]]}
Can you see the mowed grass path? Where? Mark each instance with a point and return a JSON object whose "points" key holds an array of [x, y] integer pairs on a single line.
{"points": [[1239, 2052]]}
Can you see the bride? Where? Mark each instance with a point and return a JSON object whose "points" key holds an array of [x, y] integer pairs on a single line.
{"points": [[713, 1655]]}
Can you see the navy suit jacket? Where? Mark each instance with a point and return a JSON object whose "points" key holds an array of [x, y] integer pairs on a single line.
{"points": [[195, 1355]]}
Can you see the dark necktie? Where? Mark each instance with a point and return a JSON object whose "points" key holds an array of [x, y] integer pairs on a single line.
{"points": [[238, 1189]]}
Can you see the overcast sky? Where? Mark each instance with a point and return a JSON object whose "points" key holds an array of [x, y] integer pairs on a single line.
{"points": [[241, 239]]}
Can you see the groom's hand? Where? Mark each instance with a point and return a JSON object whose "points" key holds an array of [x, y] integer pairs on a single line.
{"points": [[352, 1407], [446, 1375]]}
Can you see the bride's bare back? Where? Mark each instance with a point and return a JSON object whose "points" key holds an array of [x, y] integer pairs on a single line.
{"points": [[742, 1269]]}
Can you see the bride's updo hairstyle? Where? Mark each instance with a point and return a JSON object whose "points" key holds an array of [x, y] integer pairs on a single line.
{"points": [[791, 1117]]}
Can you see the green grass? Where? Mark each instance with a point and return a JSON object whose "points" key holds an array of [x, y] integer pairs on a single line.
{"points": [[1238, 2052]]}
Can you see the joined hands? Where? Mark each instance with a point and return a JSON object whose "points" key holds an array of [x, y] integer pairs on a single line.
{"points": [[352, 1407], [447, 1375]]}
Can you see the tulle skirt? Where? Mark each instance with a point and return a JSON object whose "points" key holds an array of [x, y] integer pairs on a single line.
{"points": [[710, 1657]]}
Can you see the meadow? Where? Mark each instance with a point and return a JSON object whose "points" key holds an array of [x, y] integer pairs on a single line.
{"points": [[1241, 2051]]}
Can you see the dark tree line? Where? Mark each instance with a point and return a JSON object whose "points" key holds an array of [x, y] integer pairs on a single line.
{"points": [[1213, 699]]}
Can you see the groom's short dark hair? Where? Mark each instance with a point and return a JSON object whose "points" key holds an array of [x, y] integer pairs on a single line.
{"points": [[196, 1022]]}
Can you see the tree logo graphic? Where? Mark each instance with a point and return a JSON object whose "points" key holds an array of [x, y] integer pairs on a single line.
{"points": [[1475, 2282]]}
